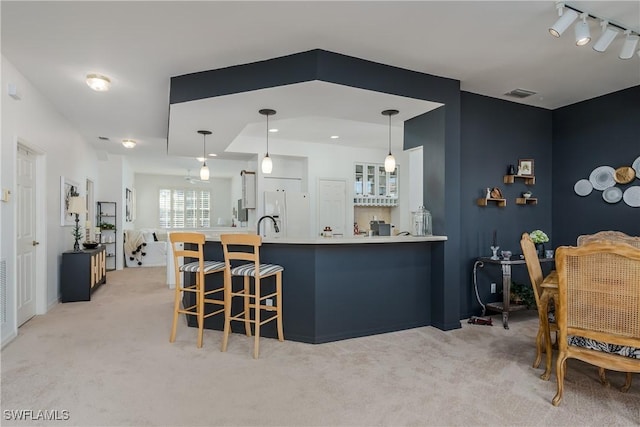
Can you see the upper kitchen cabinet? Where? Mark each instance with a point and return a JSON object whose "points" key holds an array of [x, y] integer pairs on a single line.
{"points": [[373, 186]]}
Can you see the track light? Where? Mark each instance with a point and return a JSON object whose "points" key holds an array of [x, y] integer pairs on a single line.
{"points": [[583, 35], [629, 46], [566, 19], [608, 34]]}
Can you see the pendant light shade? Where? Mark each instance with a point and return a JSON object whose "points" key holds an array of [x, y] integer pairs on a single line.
{"points": [[204, 170], [390, 161], [267, 164]]}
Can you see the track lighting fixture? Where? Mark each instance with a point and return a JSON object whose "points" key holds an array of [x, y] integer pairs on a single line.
{"points": [[607, 36], [583, 35], [566, 18], [567, 14], [629, 46], [267, 164], [204, 170], [390, 161]]}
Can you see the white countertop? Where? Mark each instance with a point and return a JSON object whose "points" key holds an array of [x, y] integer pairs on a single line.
{"points": [[342, 240]]}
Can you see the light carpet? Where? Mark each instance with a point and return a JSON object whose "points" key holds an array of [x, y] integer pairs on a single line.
{"points": [[108, 362]]}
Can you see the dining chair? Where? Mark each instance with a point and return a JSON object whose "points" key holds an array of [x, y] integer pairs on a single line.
{"points": [[597, 308], [182, 245], [256, 299], [611, 236], [546, 317]]}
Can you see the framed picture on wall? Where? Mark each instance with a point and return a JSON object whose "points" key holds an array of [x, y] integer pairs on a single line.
{"points": [[68, 189], [129, 205], [525, 167]]}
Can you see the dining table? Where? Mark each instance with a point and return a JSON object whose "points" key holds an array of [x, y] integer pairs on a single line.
{"points": [[549, 288]]}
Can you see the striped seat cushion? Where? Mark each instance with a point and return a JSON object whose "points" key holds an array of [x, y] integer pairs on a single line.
{"points": [[209, 266], [592, 344], [250, 269]]}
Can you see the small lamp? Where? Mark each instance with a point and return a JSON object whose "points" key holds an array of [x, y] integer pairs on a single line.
{"points": [[77, 206], [267, 164], [204, 170], [390, 161]]}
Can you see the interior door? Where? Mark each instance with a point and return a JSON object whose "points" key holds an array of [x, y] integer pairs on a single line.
{"points": [[26, 235], [332, 203]]}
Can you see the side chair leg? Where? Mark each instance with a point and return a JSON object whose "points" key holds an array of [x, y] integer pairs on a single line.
{"points": [[227, 312], [627, 383], [247, 309], [176, 307], [256, 333], [279, 305]]}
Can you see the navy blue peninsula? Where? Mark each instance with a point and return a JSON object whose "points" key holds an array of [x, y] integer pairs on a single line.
{"points": [[340, 288]]}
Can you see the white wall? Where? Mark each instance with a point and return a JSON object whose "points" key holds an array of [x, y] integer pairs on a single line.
{"points": [[63, 152], [224, 191]]}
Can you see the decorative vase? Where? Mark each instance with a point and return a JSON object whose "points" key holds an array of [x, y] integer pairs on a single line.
{"points": [[540, 249]]}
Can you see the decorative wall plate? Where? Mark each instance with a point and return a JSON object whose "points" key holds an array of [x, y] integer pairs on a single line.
{"points": [[602, 177], [631, 196], [624, 175], [612, 195], [583, 187], [636, 166]]}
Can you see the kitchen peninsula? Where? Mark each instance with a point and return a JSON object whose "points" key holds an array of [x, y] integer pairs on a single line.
{"points": [[345, 287]]}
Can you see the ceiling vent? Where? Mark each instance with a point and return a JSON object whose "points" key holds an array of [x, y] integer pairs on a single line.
{"points": [[520, 93], [103, 138]]}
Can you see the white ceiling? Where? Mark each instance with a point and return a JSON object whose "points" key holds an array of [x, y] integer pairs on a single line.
{"points": [[491, 47]]}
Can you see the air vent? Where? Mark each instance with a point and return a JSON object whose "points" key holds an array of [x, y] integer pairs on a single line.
{"points": [[103, 138], [520, 93]]}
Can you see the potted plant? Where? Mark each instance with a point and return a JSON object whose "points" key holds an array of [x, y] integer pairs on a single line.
{"points": [[539, 237]]}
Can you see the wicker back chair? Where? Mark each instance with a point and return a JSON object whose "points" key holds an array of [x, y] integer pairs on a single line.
{"points": [[609, 236], [536, 278], [598, 306]]}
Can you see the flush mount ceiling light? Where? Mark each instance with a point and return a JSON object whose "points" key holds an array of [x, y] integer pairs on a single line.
{"points": [[390, 161], [583, 35], [98, 82], [629, 46], [267, 164], [129, 143], [566, 18], [607, 36], [204, 170]]}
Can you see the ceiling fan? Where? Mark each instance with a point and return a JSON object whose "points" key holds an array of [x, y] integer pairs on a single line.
{"points": [[193, 179]]}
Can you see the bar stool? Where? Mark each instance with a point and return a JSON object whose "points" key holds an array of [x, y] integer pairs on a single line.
{"points": [[202, 268], [246, 247]]}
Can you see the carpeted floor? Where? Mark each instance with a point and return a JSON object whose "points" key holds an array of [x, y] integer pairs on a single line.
{"points": [[109, 362]]}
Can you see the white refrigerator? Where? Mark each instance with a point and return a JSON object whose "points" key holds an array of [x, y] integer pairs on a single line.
{"points": [[292, 212]]}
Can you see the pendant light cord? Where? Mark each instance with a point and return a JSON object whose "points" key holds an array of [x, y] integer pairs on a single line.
{"points": [[204, 150], [267, 135], [389, 134]]}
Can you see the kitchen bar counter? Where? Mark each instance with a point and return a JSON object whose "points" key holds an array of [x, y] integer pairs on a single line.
{"points": [[337, 288]]}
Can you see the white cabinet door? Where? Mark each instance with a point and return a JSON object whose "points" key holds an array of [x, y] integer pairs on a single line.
{"points": [[332, 201]]}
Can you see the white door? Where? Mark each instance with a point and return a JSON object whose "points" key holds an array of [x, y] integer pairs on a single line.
{"points": [[26, 235], [332, 201]]}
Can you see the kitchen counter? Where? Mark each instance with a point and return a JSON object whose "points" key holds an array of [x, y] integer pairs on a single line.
{"points": [[337, 288]]}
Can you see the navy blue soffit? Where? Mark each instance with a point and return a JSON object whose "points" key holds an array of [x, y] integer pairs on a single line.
{"points": [[312, 65]]}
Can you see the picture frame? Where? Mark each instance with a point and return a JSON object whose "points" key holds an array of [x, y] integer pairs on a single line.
{"points": [[129, 201], [525, 167], [68, 188]]}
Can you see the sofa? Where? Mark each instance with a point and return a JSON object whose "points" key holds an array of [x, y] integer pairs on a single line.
{"points": [[145, 248]]}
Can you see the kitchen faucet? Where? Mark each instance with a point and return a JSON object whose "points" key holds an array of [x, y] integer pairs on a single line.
{"points": [[275, 224]]}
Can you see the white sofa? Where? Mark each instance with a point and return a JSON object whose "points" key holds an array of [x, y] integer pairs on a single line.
{"points": [[145, 248]]}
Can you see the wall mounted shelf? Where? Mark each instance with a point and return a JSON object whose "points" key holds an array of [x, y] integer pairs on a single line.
{"points": [[526, 201], [528, 180], [500, 202]]}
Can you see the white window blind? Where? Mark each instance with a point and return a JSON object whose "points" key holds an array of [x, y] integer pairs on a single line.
{"points": [[184, 208]]}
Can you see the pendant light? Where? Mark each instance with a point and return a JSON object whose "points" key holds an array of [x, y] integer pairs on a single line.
{"points": [[390, 161], [204, 170], [267, 164]]}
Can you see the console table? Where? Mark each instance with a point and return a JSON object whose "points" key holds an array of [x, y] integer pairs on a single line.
{"points": [[505, 306], [81, 273]]}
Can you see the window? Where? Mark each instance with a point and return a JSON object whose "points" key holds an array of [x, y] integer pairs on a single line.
{"points": [[184, 208]]}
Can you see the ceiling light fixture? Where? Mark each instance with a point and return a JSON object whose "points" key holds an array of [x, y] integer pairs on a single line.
{"points": [[583, 35], [566, 18], [390, 161], [629, 46], [204, 170], [128, 143], [267, 164], [607, 36], [98, 82]]}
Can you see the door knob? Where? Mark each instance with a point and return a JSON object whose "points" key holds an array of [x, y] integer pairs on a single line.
{"points": [[34, 243]]}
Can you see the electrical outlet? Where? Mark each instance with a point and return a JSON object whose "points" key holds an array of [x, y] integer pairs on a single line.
{"points": [[269, 302], [493, 288]]}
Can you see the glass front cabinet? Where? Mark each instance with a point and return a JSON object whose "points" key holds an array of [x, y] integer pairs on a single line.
{"points": [[373, 186]]}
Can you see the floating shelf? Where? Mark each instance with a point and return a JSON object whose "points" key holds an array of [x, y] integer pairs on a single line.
{"points": [[528, 180], [525, 201], [500, 202]]}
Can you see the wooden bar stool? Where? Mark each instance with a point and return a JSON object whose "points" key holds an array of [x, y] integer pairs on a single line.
{"points": [[201, 268], [246, 247]]}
